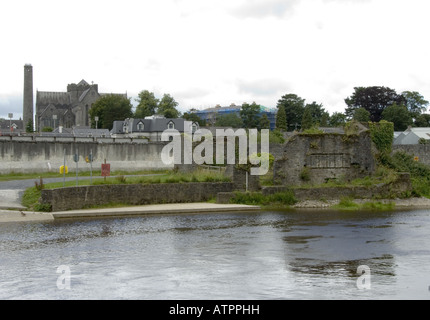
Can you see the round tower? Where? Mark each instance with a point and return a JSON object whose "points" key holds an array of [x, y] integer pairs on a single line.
{"points": [[28, 96]]}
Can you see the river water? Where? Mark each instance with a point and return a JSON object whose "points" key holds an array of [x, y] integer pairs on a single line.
{"points": [[304, 254]]}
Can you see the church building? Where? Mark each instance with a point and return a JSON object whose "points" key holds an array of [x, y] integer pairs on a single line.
{"points": [[67, 109]]}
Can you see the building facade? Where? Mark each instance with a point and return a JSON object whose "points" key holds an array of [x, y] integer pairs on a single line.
{"points": [[150, 128], [210, 115]]}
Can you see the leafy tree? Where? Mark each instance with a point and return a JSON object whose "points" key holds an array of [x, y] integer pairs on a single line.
{"points": [[318, 113], [373, 99], [361, 115], [250, 114], [147, 104], [229, 120], [307, 121], [423, 120], [398, 115], [109, 108], [294, 107], [337, 119], [415, 103], [264, 122], [167, 107], [281, 119]]}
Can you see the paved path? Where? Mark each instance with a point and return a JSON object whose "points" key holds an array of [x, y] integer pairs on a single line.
{"points": [[174, 208]]}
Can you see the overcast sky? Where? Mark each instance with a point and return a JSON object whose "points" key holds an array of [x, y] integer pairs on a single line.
{"points": [[208, 52]]}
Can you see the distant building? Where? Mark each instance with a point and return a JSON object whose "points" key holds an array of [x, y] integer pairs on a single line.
{"points": [[67, 109], [6, 124], [413, 136], [211, 114], [150, 127]]}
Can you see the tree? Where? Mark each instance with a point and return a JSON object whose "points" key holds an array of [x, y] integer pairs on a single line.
{"points": [[264, 122], [337, 119], [307, 121], [29, 127], [399, 115], [373, 99], [229, 120], [109, 108], [294, 107], [415, 103], [281, 119], [361, 115], [147, 104], [250, 114], [423, 120], [167, 107], [318, 114]]}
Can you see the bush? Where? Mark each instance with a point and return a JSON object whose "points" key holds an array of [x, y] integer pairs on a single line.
{"points": [[286, 198]]}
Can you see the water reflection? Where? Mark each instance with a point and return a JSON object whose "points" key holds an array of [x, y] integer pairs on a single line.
{"points": [[268, 255]]}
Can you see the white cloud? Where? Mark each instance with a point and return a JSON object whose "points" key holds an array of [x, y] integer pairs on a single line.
{"points": [[217, 51]]}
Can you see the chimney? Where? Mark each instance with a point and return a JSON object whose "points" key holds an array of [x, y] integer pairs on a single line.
{"points": [[28, 95]]}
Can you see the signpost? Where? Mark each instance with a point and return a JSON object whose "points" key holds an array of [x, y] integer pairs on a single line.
{"points": [[105, 170], [76, 159]]}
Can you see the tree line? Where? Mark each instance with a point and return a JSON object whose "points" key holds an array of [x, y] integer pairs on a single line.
{"points": [[374, 104], [365, 104], [115, 107]]}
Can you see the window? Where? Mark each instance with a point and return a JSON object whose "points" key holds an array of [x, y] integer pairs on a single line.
{"points": [[170, 125], [194, 127], [140, 126]]}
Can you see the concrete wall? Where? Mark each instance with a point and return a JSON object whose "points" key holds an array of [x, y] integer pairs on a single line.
{"points": [[44, 154], [132, 194]]}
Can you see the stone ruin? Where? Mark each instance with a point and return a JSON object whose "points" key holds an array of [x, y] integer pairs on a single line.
{"points": [[317, 158]]}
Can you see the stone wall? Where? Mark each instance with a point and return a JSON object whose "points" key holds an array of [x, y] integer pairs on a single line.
{"points": [[396, 189], [422, 151], [62, 199], [317, 158], [45, 154]]}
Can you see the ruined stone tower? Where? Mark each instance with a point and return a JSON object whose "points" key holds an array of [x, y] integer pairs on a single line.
{"points": [[28, 95]]}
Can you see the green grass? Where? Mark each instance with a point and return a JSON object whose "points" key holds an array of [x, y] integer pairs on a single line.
{"points": [[348, 204], [22, 176]]}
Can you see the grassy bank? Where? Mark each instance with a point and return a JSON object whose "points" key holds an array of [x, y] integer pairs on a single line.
{"points": [[350, 205], [280, 200], [36, 175], [31, 195]]}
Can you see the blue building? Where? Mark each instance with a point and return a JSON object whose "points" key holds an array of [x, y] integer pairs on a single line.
{"points": [[211, 114]]}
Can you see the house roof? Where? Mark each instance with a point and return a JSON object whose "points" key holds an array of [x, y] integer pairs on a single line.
{"points": [[412, 136], [150, 125], [56, 98]]}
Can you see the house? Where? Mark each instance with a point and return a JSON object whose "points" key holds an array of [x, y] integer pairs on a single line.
{"points": [[150, 128], [10, 126], [412, 136]]}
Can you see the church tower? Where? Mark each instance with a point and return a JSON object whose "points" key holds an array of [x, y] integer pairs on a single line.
{"points": [[28, 95]]}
